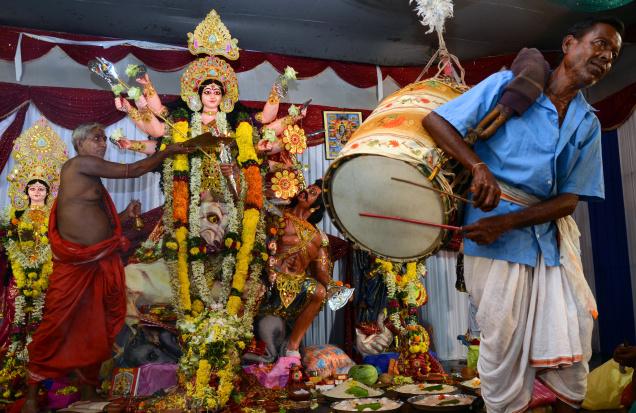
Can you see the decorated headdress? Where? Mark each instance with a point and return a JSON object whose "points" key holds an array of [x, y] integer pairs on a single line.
{"points": [[211, 37], [39, 153], [208, 68]]}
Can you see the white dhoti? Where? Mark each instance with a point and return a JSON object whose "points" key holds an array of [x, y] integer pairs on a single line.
{"points": [[535, 322]]}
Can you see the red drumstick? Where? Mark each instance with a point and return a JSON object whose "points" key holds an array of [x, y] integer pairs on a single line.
{"points": [[410, 221]]}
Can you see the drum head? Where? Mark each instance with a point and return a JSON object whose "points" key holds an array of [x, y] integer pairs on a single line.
{"points": [[364, 184]]}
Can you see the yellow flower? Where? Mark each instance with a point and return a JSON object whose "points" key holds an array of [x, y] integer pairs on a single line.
{"points": [[172, 245], [6, 394], [194, 250], [163, 147], [202, 379], [245, 143], [228, 242], [241, 345], [197, 306], [181, 163], [285, 184], [294, 139], [264, 256], [44, 240], [233, 305], [180, 131], [32, 275]]}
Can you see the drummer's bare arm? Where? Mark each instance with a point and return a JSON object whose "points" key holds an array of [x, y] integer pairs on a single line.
{"points": [[486, 191], [488, 230]]}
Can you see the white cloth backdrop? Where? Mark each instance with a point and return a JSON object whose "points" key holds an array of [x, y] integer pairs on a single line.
{"points": [[447, 308]]}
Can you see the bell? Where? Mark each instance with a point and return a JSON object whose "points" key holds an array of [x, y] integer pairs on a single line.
{"points": [[139, 223]]}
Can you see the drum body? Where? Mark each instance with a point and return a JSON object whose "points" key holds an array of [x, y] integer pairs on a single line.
{"points": [[391, 143]]}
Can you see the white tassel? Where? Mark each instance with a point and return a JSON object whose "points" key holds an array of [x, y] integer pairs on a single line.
{"points": [[433, 13]]}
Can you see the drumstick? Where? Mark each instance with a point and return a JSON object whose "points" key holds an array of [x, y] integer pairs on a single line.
{"points": [[439, 191], [410, 221]]}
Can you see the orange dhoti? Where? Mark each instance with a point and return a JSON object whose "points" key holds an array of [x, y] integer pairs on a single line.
{"points": [[85, 305]]}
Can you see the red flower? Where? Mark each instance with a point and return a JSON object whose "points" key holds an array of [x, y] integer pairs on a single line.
{"points": [[394, 143], [424, 100]]}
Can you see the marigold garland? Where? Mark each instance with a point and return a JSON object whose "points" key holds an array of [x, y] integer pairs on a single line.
{"points": [[245, 144], [244, 256], [254, 181], [181, 234], [180, 132], [251, 215], [180, 197]]}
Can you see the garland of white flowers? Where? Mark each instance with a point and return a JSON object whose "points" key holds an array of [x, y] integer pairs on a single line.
{"points": [[196, 125], [221, 122], [197, 267], [229, 261]]}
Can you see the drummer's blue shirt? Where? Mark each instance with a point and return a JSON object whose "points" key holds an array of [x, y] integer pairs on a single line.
{"points": [[531, 152]]}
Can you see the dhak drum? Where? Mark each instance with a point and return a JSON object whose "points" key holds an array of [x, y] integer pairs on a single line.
{"points": [[392, 143]]}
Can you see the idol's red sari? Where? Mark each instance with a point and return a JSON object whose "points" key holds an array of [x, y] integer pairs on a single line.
{"points": [[85, 305]]}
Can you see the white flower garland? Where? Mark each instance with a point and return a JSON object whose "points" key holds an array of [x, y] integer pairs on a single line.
{"points": [[221, 122], [196, 124], [197, 267], [19, 304], [229, 261]]}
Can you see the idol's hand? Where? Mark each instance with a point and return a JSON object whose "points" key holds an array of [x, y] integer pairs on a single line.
{"points": [[486, 191], [122, 104]]}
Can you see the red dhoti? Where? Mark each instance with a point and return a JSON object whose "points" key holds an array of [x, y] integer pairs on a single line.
{"points": [[85, 305]]}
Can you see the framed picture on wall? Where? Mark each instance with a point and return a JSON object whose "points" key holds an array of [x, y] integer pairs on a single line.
{"points": [[338, 129]]}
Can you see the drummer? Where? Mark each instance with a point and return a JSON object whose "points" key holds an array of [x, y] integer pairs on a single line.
{"points": [[544, 161]]}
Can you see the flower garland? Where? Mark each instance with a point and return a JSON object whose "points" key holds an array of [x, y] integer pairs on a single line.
{"points": [[196, 245], [406, 294], [181, 235], [229, 260], [249, 161], [254, 282]]}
